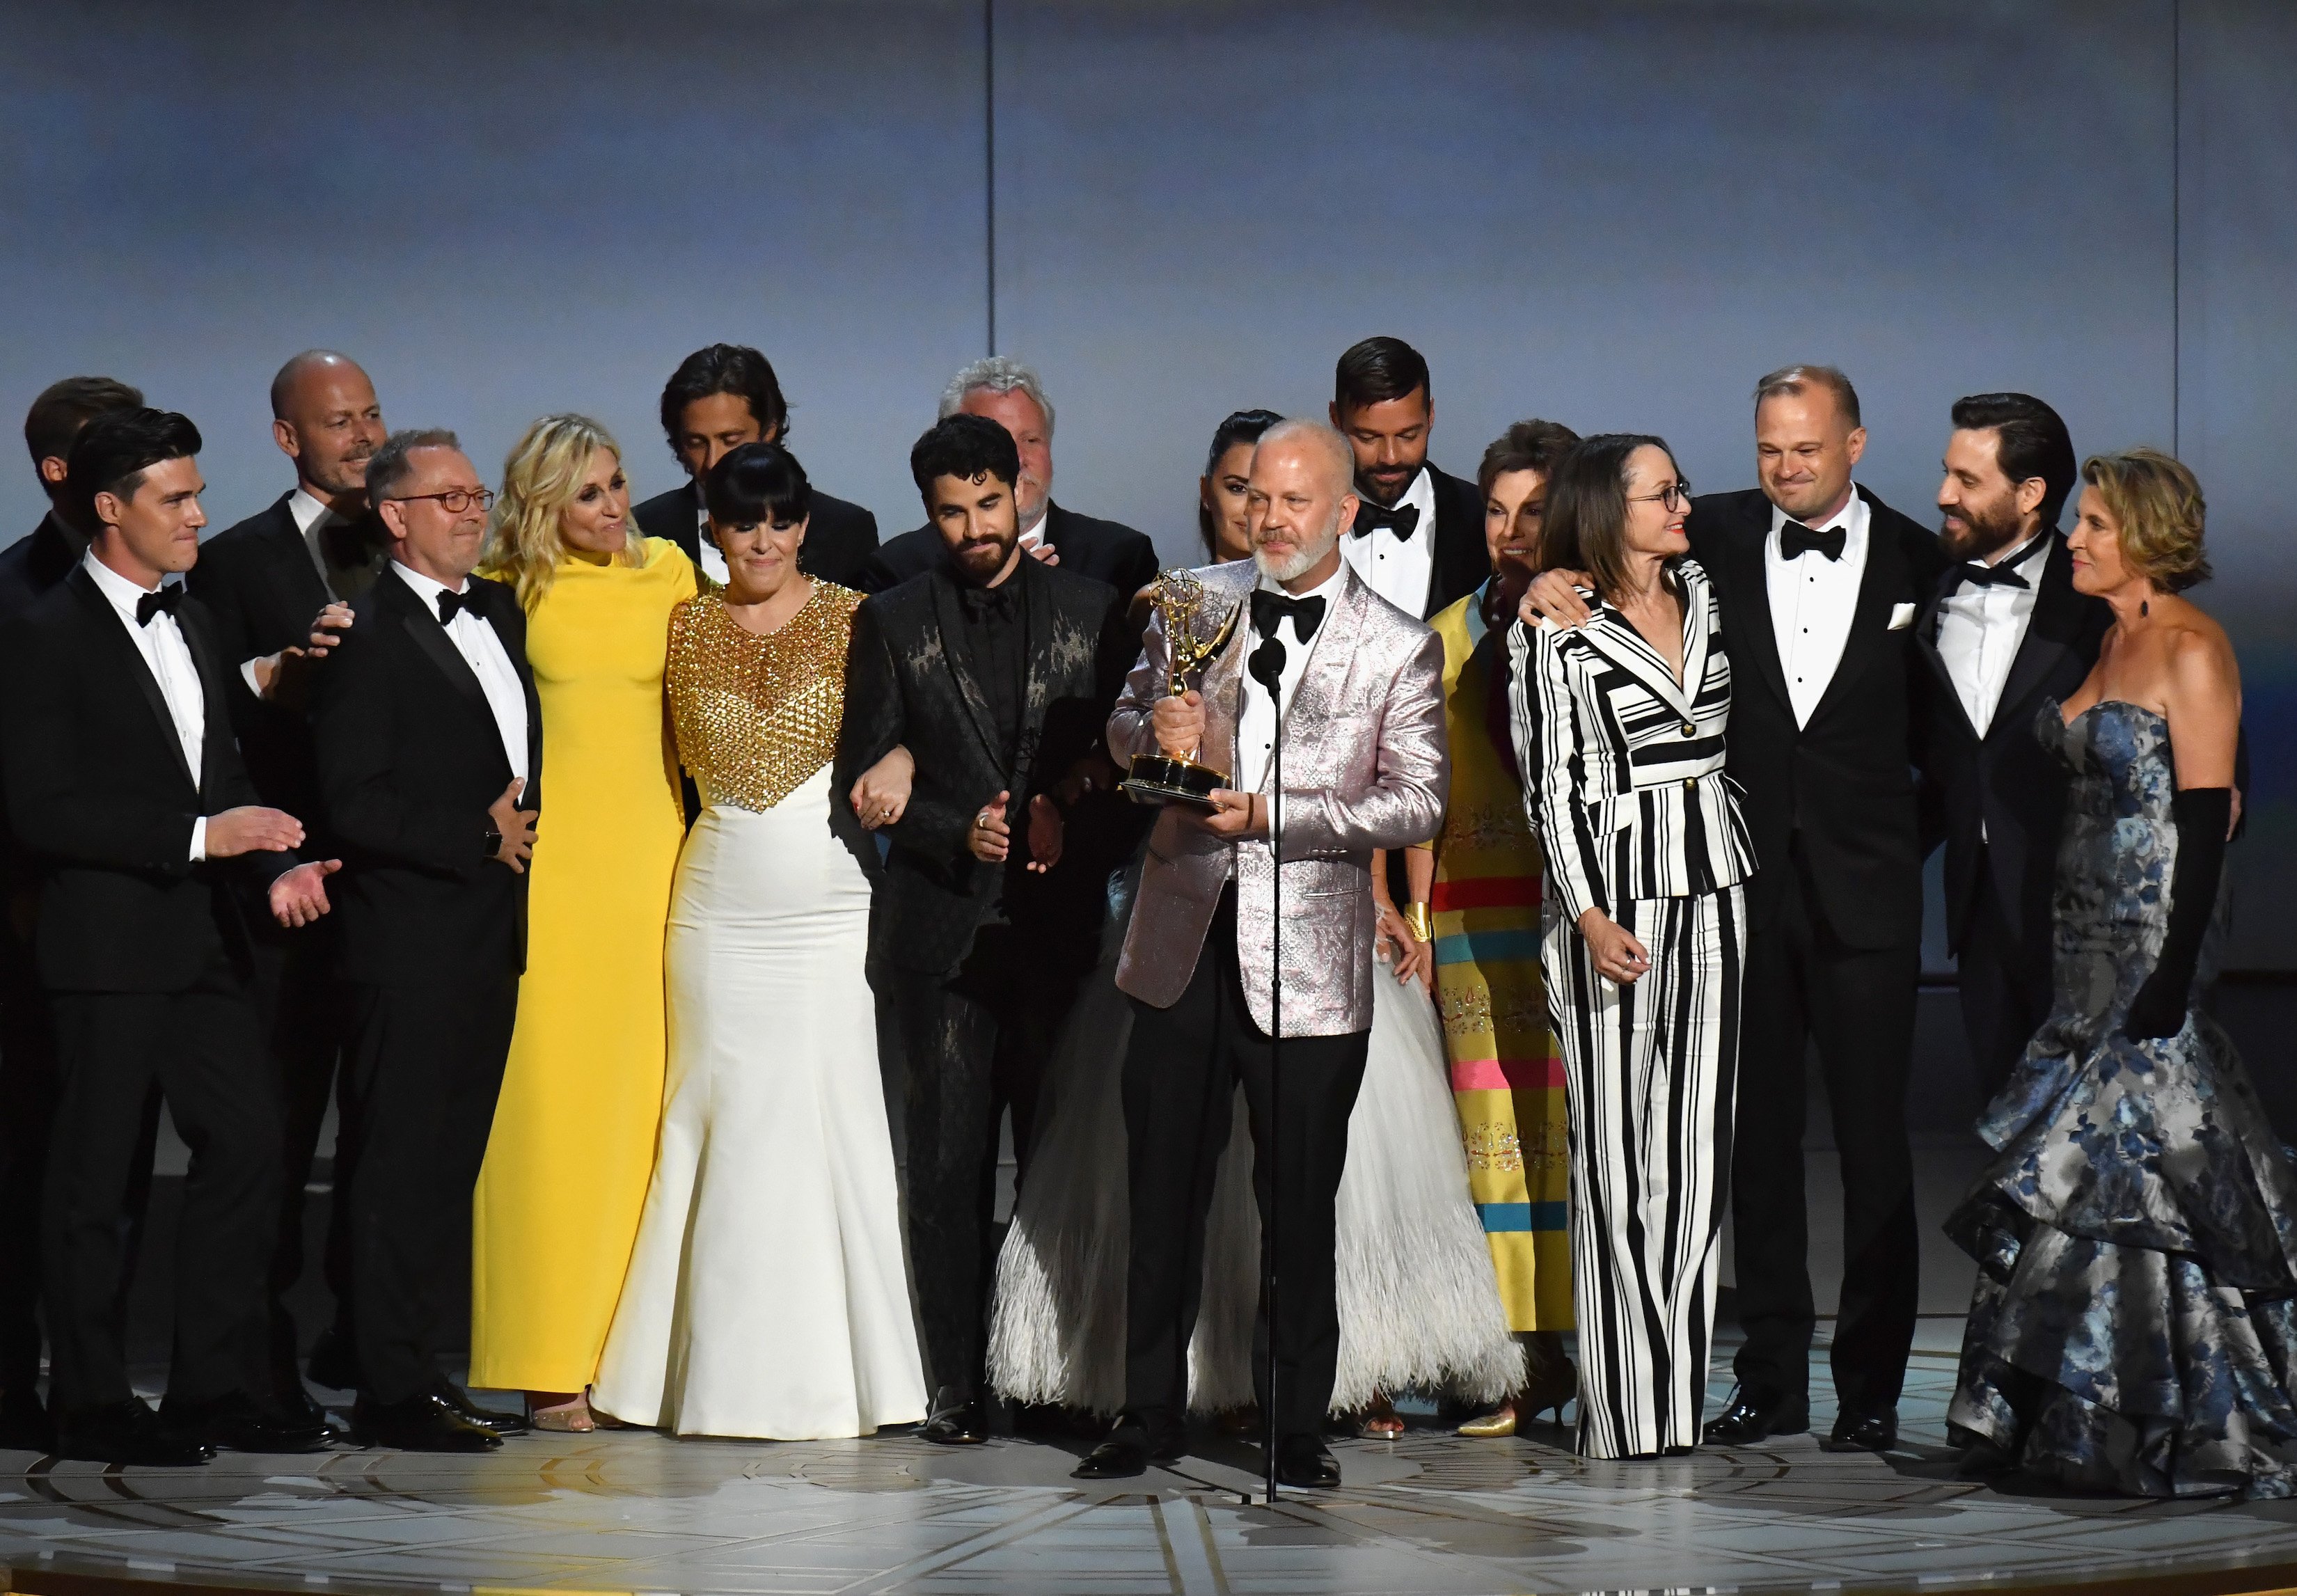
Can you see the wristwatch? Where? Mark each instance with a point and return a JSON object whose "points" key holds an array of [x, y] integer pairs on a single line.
{"points": [[494, 842]]}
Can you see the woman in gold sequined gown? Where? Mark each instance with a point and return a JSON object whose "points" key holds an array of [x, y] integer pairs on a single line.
{"points": [[766, 1297]]}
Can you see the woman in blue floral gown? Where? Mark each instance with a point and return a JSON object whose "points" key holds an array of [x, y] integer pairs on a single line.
{"points": [[2133, 1328]]}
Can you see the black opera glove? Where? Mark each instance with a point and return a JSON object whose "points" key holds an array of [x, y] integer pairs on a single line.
{"points": [[2203, 815]]}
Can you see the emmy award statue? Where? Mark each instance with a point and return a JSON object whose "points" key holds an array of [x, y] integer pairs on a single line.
{"points": [[1192, 638]]}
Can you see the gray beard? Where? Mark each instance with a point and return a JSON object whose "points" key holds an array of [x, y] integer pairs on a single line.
{"points": [[1298, 566]]}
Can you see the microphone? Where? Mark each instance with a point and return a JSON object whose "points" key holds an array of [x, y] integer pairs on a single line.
{"points": [[1266, 664]]}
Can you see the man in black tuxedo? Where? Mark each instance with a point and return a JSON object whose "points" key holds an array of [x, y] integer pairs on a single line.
{"points": [[997, 672], [29, 567], [428, 738], [1418, 540], [718, 399], [2003, 632], [1820, 583], [125, 784], [1009, 393], [279, 585]]}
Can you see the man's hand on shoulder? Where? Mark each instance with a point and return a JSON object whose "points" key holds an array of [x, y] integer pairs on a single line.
{"points": [[1552, 596]]}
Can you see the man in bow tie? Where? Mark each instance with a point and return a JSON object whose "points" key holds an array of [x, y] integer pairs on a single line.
{"points": [[1418, 538], [2004, 633], [995, 671], [1819, 583], [1358, 697]]}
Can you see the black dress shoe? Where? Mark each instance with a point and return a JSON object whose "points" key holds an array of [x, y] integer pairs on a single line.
{"points": [[1131, 1446], [424, 1422], [1304, 1460], [1751, 1418], [493, 1420], [333, 1361], [1864, 1429], [24, 1423], [237, 1424], [126, 1431], [957, 1419]]}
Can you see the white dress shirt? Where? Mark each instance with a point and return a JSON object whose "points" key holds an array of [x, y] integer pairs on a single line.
{"points": [[476, 642], [169, 658], [1980, 629], [1256, 731], [713, 559], [1812, 601], [1400, 569]]}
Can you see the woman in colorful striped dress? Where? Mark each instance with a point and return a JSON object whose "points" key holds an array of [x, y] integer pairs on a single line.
{"points": [[1507, 1079]]}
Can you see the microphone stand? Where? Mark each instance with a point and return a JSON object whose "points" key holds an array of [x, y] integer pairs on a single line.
{"points": [[1267, 667]]}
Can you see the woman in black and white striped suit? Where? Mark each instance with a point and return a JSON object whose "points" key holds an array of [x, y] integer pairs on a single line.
{"points": [[1619, 726]]}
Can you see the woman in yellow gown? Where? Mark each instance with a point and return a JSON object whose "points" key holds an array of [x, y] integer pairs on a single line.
{"points": [[556, 1211]]}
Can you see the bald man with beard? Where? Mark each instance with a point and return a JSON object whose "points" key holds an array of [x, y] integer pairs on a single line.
{"points": [[279, 585]]}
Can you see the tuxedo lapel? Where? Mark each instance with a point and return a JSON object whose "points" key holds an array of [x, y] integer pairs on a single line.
{"points": [[212, 672], [422, 624], [1745, 587], [129, 659], [1036, 692], [1870, 619], [952, 624], [2050, 629], [1926, 630], [1317, 700]]}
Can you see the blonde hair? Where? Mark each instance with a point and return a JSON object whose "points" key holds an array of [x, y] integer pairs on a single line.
{"points": [[2160, 508], [525, 542]]}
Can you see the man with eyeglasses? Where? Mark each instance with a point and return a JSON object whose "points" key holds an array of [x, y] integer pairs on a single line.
{"points": [[1819, 582], [429, 742]]}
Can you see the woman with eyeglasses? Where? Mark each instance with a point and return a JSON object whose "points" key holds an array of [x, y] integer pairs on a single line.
{"points": [[1618, 727], [557, 1202]]}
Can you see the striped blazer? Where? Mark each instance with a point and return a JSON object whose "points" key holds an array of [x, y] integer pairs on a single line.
{"points": [[1622, 768]]}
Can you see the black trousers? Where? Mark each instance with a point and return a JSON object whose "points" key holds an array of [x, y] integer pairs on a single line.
{"points": [[306, 1014], [2005, 986], [1803, 983], [969, 1046], [423, 1069], [1180, 1072], [203, 1050], [27, 1104]]}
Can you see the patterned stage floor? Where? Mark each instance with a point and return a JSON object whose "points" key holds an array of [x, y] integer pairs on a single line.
{"points": [[629, 1511]]}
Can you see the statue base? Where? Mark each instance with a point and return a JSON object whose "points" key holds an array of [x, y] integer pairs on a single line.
{"points": [[1159, 779]]}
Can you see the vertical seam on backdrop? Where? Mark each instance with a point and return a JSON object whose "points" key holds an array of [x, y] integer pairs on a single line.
{"points": [[989, 158], [2177, 227]]}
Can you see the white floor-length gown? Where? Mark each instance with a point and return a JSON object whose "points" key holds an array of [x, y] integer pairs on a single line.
{"points": [[766, 1297]]}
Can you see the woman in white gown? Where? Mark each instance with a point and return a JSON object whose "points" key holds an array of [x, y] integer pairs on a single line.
{"points": [[766, 1297]]}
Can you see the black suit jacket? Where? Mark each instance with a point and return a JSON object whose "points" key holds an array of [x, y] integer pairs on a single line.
{"points": [[409, 760], [909, 681], [257, 580], [1846, 781], [101, 799], [1463, 561], [1104, 550], [840, 538], [2006, 785]]}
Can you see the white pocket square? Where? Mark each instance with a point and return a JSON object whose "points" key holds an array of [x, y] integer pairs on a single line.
{"points": [[1902, 616]]}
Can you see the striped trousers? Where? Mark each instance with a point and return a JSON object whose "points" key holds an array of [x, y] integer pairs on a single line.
{"points": [[1651, 1073]]}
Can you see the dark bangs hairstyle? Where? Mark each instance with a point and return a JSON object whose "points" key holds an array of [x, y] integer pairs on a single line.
{"points": [[757, 484], [1586, 527]]}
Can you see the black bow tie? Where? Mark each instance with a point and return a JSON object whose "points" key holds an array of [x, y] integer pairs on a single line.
{"points": [[451, 605], [1987, 575], [162, 602], [1402, 520], [1796, 540], [1269, 610], [999, 603]]}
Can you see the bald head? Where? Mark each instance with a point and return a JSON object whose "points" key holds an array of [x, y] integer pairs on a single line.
{"points": [[1300, 497], [324, 418]]}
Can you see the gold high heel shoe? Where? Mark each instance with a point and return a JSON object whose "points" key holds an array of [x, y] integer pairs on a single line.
{"points": [[565, 1418]]}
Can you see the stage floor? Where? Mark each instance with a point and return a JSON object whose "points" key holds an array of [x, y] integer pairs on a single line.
{"points": [[631, 1511]]}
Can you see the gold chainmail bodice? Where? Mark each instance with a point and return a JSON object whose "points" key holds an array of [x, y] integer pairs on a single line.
{"points": [[756, 716]]}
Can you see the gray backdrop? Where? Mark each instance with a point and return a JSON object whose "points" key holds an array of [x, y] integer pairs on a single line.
{"points": [[1616, 215]]}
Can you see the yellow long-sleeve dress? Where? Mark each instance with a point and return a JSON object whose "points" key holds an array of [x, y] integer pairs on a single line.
{"points": [[556, 1209]]}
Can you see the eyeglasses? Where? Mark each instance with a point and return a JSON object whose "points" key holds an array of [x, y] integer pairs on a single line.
{"points": [[1674, 495], [454, 501]]}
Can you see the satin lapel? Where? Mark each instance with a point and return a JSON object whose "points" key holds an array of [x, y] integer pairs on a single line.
{"points": [[1224, 690], [1614, 637], [1317, 701], [514, 649], [2050, 629], [1870, 619], [431, 637], [211, 670], [946, 615], [131, 660], [301, 592], [1926, 631], [1744, 585]]}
